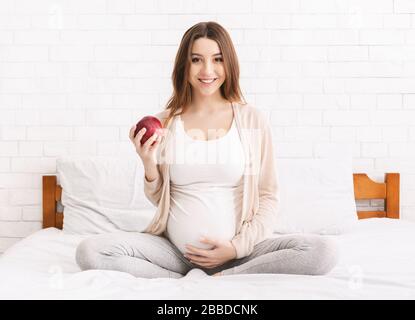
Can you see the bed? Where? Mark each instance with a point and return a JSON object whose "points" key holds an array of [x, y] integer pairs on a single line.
{"points": [[377, 261]]}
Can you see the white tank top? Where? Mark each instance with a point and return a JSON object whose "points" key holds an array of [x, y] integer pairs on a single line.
{"points": [[205, 187]]}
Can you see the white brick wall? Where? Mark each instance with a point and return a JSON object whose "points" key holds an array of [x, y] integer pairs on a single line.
{"points": [[335, 76]]}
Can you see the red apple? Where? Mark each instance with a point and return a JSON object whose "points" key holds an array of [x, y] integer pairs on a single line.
{"points": [[152, 125]]}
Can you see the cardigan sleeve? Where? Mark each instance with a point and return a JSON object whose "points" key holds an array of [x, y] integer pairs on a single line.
{"points": [[261, 225]]}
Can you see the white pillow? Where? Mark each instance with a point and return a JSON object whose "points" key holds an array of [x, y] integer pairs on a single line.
{"points": [[316, 196], [103, 194]]}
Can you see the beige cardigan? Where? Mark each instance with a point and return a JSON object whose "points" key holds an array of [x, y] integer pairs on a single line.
{"points": [[256, 221]]}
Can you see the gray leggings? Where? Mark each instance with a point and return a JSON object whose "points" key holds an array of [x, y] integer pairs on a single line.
{"points": [[148, 256]]}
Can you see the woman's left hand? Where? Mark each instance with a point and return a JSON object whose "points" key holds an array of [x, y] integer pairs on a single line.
{"points": [[221, 252]]}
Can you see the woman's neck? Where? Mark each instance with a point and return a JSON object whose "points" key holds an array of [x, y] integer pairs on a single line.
{"points": [[208, 107]]}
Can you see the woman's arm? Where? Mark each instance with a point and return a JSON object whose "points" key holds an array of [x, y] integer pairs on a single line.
{"points": [[261, 226], [152, 183], [151, 172], [153, 179]]}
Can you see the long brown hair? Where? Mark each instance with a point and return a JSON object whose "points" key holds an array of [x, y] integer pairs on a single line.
{"points": [[230, 89]]}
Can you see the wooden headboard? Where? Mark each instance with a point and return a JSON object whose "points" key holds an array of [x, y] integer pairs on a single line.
{"points": [[364, 188]]}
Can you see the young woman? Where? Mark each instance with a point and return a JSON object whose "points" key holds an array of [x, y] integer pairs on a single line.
{"points": [[213, 215]]}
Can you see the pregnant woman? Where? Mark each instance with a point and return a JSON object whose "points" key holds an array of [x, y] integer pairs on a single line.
{"points": [[212, 176]]}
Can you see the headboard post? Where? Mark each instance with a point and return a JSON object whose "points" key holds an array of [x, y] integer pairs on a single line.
{"points": [[49, 202], [392, 195], [52, 193]]}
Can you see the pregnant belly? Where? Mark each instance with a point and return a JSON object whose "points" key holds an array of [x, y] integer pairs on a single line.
{"points": [[187, 228]]}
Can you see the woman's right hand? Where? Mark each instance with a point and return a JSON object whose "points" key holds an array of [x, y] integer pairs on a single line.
{"points": [[147, 152]]}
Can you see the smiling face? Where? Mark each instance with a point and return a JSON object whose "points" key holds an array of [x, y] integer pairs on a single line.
{"points": [[207, 72]]}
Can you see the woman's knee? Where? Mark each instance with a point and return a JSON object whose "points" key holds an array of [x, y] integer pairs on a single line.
{"points": [[87, 255], [95, 251], [324, 255]]}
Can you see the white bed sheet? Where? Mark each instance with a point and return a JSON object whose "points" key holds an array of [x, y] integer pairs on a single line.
{"points": [[377, 261]]}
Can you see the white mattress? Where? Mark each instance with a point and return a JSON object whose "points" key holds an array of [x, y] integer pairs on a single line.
{"points": [[377, 261]]}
